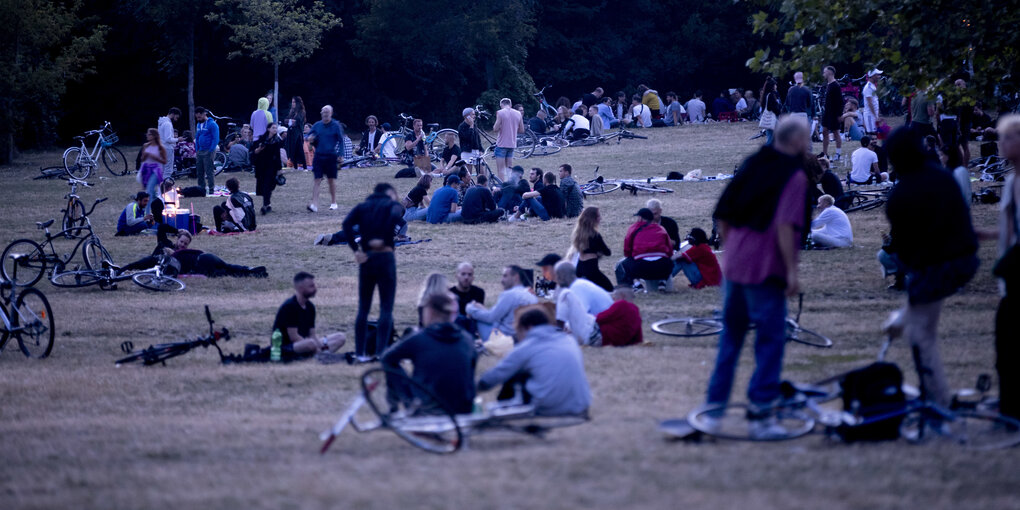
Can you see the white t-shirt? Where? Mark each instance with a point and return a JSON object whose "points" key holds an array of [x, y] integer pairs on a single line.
{"points": [[580, 122], [870, 91], [696, 110], [571, 311], [741, 105], [595, 299], [862, 160], [834, 222], [642, 115], [389, 148]]}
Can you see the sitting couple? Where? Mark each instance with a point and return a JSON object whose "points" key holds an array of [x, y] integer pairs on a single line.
{"points": [[651, 255]]}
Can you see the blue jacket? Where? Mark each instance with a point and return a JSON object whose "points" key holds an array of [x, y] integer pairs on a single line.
{"points": [[207, 136]]}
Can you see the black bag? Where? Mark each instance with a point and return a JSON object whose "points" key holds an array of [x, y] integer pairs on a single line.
{"points": [[408, 172], [871, 392], [192, 192]]}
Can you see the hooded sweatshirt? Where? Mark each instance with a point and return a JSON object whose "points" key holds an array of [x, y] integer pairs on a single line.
{"points": [[444, 362], [260, 119]]}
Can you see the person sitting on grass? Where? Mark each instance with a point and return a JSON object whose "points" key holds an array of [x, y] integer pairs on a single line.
{"points": [[479, 206], [546, 364], [501, 316], [698, 263], [191, 261], [296, 321], [451, 156], [442, 353], [831, 229], [647, 249], [517, 192], [552, 197], [443, 207], [237, 213], [574, 313], [620, 324], [865, 164], [133, 219]]}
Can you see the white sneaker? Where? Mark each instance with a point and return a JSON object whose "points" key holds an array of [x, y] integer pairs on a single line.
{"points": [[332, 207], [312, 208], [320, 239], [766, 429]]}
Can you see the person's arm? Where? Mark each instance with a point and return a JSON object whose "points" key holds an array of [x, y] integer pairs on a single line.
{"points": [[497, 125], [398, 352], [129, 215], [352, 219], [787, 239], [494, 314], [531, 194], [520, 125], [600, 247], [628, 243], [512, 364]]}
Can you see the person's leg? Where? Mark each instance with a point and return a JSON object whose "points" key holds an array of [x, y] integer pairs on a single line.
{"points": [[267, 196], [824, 240], [315, 191], [366, 287], [491, 216], [661, 269], [690, 270], [454, 217], [386, 271], [825, 140], [508, 164], [141, 264], [212, 265], [484, 329], [501, 168], [769, 136], [340, 237], [201, 158], [735, 325], [767, 309], [625, 270], [536, 207], [1006, 356], [922, 322], [332, 191]]}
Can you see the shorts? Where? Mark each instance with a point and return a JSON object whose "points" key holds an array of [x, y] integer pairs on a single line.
{"points": [[503, 152], [832, 124], [324, 165], [870, 123]]}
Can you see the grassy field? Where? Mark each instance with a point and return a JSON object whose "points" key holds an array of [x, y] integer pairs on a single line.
{"points": [[77, 432]]}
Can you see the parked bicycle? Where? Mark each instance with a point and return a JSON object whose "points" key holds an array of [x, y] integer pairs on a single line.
{"points": [[79, 162], [993, 168], [526, 141], [154, 278], [159, 353], [26, 315], [31, 259], [74, 212], [643, 186]]}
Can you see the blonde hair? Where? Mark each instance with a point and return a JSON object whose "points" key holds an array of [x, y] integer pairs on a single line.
{"points": [[435, 283], [1008, 123], [584, 230]]}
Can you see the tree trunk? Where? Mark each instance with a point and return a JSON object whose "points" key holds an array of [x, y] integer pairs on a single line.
{"points": [[191, 79], [276, 89], [7, 150]]}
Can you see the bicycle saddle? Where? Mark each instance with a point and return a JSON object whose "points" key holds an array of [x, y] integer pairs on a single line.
{"points": [[433, 127], [43, 224]]}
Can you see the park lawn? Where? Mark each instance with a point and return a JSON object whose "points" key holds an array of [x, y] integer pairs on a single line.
{"points": [[77, 432]]}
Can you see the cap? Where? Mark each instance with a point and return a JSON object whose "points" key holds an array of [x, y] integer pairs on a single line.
{"points": [[466, 112], [453, 179], [874, 72], [549, 260], [645, 214]]}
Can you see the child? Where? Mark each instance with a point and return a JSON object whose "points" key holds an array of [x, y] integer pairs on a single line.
{"points": [[698, 262]]}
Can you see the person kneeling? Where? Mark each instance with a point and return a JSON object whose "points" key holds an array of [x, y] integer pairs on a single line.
{"points": [[133, 219], [547, 364], [296, 321], [647, 249], [831, 229], [698, 263]]}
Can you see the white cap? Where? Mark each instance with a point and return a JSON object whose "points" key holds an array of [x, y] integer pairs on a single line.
{"points": [[874, 72]]}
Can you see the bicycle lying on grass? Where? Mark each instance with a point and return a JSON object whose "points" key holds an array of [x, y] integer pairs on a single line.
{"points": [[107, 277], [857, 200], [690, 327], [993, 168], [598, 185], [159, 353], [412, 412], [27, 316]]}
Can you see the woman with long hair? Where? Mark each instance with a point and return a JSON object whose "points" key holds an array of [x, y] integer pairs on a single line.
{"points": [[267, 165], [150, 174], [770, 102], [435, 283], [295, 141], [416, 202], [588, 245]]}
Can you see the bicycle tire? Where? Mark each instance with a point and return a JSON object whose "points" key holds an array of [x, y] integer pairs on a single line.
{"points": [[494, 179], [439, 142], [689, 327], [155, 354], [75, 165], [30, 268], [373, 163], [599, 189], [74, 219], [865, 205], [731, 422], [633, 136], [807, 337], [32, 311], [585, 142], [435, 431], [115, 162], [526, 142], [158, 283], [94, 254], [219, 162], [635, 187], [76, 279], [545, 149]]}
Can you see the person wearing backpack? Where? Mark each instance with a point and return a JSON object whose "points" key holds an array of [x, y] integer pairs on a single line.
{"points": [[240, 206]]}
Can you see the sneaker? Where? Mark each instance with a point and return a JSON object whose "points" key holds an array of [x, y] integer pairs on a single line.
{"points": [[764, 429], [332, 207], [263, 210], [313, 208], [321, 239], [836, 158], [364, 359], [269, 208], [260, 272]]}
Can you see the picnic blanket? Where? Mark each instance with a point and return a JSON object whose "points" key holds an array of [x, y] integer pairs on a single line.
{"points": [[214, 232]]}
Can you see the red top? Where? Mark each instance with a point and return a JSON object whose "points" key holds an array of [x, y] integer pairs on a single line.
{"points": [[702, 256], [620, 324], [651, 241]]}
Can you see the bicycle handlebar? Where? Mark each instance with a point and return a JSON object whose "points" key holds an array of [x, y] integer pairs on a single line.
{"points": [[71, 181], [97, 202]]}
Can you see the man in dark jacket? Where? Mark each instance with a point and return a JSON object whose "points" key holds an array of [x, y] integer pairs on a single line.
{"points": [[479, 206], [376, 219], [443, 356]]}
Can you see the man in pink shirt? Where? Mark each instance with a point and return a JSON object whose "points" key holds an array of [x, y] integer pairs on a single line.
{"points": [[509, 123]]}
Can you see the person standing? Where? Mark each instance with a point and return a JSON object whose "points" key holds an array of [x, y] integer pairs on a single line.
{"points": [[833, 110], [260, 119], [798, 98], [872, 112], [326, 137], [165, 126], [762, 215], [470, 140], [1007, 351], [376, 219], [154, 157], [267, 165], [207, 140], [273, 115], [770, 102], [295, 142], [509, 123]]}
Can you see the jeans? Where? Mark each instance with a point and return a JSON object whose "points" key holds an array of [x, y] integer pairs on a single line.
{"points": [[890, 264], [152, 188], [379, 270], [921, 324], [486, 217], [131, 230], [689, 268], [205, 170], [535, 205], [484, 329], [629, 269], [765, 305], [769, 136], [415, 214]]}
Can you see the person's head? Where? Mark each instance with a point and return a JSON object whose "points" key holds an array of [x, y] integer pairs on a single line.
{"points": [[505, 102], [263, 103], [906, 150], [187, 136], [825, 202], [642, 88], [297, 104], [698, 94], [273, 128], [645, 214], [750, 93], [546, 265], [417, 124], [174, 113], [581, 110], [269, 97], [623, 293], [829, 73], [597, 92], [565, 171], [201, 114], [823, 162], [851, 105], [512, 276], [768, 88], [183, 240], [517, 173], [565, 273], [385, 188], [142, 198], [468, 114], [451, 138], [453, 181], [541, 113], [697, 236], [635, 99], [435, 283], [519, 107], [587, 226], [304, 285], [535, 174], [1009, 137], [529, 318], [792, 135], [655, 206], [465, 176], [371, 122], [563, 111], [327, 113], [874, 75], [425, 181], [438, 309], [307, 129], [152, 135], [798, 78], [550, 178], [233, 185], [866, 142], [465, 275], [481, 180], [930, 143], [950, 157], [735, 93]]}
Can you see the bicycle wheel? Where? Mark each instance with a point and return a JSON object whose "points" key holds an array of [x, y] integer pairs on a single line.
{"points": [[76, 164], [806, 337], [219, 162], [544, 149], [74, 279], [411, 411], [483, 168], [94, 254], [584, 142], [526, 142], [864, 204], [28, 269], [74, 218], [156, 354], [439, 142], [160, 283], [599, 188], [33, 322], [647, 188], [732, 422], [115, 162], [982, 431], [688, 327]]}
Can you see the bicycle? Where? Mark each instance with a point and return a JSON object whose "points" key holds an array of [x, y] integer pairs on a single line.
{"points": [[855, 200], [33, 256], [74, 212], [79, 161], [692, 327], [644, 186], [543, 104], [801, 410], [993, 168], [27, 316], [598, 186], [400, 404], [160, 353], [155, 278], [621, 135]]}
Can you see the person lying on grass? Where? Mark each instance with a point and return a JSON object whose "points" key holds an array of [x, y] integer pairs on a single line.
{"points": [[191, 261]]}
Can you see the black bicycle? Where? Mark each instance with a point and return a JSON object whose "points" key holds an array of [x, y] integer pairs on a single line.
{"points": [[855, 201], [26, 315], [159, 353], [155, 278]]}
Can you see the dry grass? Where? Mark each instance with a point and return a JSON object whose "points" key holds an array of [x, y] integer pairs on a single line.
{"points": [[76, 432]]}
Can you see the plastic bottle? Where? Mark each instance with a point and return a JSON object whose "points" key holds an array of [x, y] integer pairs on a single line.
{"points": [[276, 346], [476, 407]]}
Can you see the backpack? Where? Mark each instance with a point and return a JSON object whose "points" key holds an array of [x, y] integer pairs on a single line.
{"points": [[243, 201], [872, 391]]}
